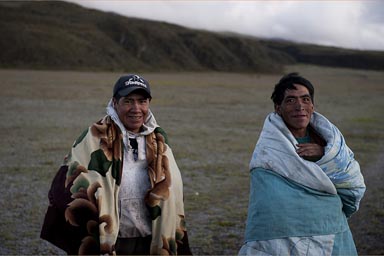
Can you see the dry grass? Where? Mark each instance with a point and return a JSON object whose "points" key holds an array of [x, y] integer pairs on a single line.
{"points": [[213, 121]]}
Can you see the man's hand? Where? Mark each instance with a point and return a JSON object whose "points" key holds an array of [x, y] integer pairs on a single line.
{"points": [[310, 151]]}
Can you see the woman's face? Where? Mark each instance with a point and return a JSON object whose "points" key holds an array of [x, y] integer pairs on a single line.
{"points": [[132, 111]]}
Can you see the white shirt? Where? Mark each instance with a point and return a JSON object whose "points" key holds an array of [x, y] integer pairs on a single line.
{"points": [[135, 220]]}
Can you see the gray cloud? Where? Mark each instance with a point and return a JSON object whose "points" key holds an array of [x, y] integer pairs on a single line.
{"points": [[350, 24]]}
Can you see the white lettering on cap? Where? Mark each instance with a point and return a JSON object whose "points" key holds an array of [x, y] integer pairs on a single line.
{"points": [[136, 80]]}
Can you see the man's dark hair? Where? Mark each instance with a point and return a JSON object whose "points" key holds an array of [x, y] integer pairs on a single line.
{"points": [[287, 82]]}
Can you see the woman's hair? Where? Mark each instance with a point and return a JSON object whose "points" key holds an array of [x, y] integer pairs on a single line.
{"points": [[287, 82]]}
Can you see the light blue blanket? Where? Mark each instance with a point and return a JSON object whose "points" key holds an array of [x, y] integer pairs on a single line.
{"points": [[279, 208], [286, 218], [336, 172], [298, 206]]}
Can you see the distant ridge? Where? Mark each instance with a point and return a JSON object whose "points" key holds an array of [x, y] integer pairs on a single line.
{"points": [[61, 35]]}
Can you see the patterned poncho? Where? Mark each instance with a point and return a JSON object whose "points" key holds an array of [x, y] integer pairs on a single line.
{"points": [[83, 215]]}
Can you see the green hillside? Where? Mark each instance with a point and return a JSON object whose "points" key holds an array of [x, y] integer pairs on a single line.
{"points": [[61, 35]]}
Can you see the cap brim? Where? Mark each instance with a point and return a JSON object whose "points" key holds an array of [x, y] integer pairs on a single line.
{"points": [[126, 91]]}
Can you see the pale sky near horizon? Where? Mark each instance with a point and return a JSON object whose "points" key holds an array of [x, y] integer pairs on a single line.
{"points": [[355, 24]]}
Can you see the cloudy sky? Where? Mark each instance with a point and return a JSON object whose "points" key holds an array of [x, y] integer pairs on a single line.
{"points": [[343, 23]]}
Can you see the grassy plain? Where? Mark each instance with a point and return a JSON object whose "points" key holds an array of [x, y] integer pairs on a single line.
{"points": [[213, 121]]}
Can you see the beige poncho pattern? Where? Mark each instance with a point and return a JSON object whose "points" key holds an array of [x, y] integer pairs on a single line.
{"points": [[94, 175]]}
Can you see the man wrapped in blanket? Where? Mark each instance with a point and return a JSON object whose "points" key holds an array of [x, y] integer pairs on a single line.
{"points": [[305, 182], [120, 190]]}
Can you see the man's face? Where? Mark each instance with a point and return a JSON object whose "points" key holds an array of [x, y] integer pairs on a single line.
{"points": [[132, 111], [296, 110]]}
